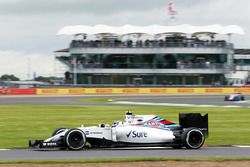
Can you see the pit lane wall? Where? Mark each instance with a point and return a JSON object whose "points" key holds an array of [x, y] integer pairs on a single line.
{"points": [[162, 90]]}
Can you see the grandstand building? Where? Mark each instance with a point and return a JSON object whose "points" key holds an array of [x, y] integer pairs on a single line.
{"points": [[148, 56], [240, 73]]}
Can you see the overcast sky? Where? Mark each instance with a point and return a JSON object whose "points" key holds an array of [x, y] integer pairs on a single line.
{"points": [[28, 27]]}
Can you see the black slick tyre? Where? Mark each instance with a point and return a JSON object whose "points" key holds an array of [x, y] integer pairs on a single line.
{"points": [[193, 138], [75, 139]]}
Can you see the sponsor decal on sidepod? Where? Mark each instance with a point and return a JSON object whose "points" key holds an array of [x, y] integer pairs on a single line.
{"points": [[135, 134]]}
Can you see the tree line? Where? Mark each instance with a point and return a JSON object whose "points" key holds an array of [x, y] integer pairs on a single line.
{"points": [[11, 77]]}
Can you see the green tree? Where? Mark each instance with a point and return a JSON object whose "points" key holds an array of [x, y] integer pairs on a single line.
{"points": [[7, 77]]}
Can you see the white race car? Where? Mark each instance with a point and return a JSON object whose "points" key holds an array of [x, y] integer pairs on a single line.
{"points": [[137, 130]]}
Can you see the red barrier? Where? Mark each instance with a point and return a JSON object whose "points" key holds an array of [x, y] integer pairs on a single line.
{"points": [[4, 91], [22, 91]]}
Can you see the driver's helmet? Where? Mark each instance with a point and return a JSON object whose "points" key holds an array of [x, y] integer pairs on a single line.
{"points": [[115, 123], [129, 118]]}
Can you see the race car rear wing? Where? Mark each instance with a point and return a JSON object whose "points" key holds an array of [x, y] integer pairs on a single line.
{"points": [[187, 120]]}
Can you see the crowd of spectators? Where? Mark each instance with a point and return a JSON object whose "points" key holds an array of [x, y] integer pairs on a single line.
{"points": [[201, 62], [177, 64], [167, 42], [202, 65]]}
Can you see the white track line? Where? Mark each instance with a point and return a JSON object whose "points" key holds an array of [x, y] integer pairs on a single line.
{"points": [[163, 104], [172, 104], [241, 146], [246, 101]]}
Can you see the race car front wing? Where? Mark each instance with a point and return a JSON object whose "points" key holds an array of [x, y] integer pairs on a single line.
{"points": [[43, 144]]}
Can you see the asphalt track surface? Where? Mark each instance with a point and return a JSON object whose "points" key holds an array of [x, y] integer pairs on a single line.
{"points": [[217, 100], [205, 152]]}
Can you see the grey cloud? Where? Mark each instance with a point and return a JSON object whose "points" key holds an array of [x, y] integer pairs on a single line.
{"points": [[77, 6], [32, 24], [102, 7], [29, 26]]}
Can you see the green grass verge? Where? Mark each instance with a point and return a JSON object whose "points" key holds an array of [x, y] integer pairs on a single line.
{"points": [[19, 123], [121, 160]]}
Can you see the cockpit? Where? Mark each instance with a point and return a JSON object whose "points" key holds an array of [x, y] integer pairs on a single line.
{"points": [[132, 119]]}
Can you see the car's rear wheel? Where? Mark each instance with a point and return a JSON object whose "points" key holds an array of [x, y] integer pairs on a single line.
{"points": [[193, 138], [75, 139]]}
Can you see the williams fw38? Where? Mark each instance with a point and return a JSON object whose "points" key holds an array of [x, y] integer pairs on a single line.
{"points": [[136, 130]]}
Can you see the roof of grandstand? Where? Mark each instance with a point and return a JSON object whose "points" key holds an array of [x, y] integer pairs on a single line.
{"points": [[150, 30]]}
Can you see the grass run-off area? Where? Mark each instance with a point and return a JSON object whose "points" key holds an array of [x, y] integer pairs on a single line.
{"points": [[19, 123]]}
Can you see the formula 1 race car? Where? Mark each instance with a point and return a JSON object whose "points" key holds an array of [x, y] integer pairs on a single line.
{"points": [[234, 97], [137, 130]]}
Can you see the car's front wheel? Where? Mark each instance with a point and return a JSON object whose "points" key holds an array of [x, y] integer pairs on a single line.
{"points": [[75, 139], [193, 138]]}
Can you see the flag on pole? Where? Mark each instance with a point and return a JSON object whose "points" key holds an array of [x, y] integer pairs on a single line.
{"points": [[171, 12]]}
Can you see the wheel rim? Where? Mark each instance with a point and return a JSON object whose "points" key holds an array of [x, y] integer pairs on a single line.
{"points": [[195, 139], [75, 139]]}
